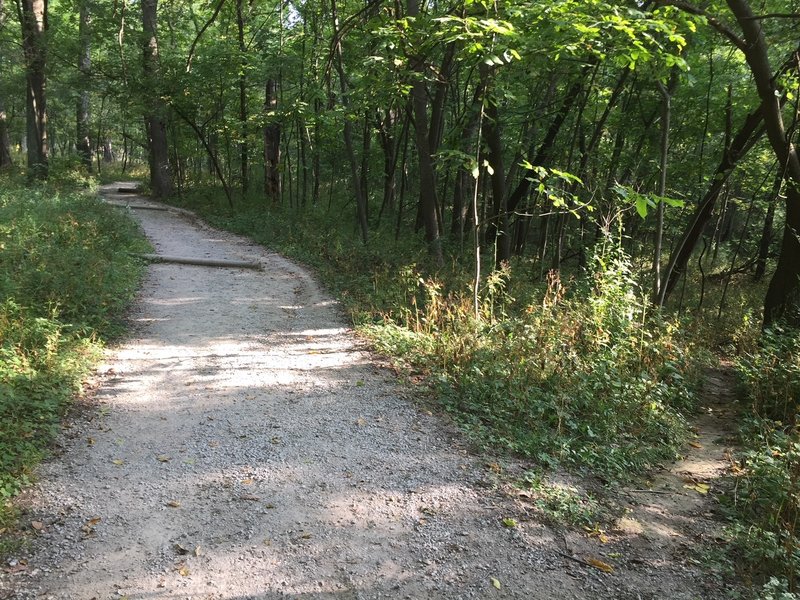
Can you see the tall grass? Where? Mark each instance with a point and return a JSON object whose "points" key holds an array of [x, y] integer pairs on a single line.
{"points": [[766, 501], [66, 274]]}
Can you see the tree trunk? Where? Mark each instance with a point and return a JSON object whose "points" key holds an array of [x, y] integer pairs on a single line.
{"points": [[767, 234], [272, 144], [498, 227], [154, 120], [243, 148], [83, 143], [749, 133], [782, 301], [427, 177], [542, 156], [5, 141], [34, 25], [361, 200]]}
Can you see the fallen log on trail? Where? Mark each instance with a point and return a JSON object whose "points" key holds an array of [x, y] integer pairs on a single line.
{"points": [[146, 207], [201, 262]]}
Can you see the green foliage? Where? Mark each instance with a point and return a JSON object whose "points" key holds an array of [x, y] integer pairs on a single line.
{"points": [[581, 377], [65, 275], [766, 502], [560, 503]]}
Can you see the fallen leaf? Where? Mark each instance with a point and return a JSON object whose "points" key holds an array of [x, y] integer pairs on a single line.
{"points": [[247, 482], [695, 445], [173, 504], [118, 461], [183, 571], [509, 522], [90, 441], [700, 488], [495, 582], [37, 525], [361, 421], [93, 521], [198, 551], [360, 383], [599, 564]]}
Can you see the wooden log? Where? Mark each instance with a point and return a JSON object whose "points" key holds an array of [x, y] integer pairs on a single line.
{"points": [[128, 190], [146, 207], [201, 262]]}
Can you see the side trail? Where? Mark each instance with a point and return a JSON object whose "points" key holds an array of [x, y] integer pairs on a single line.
{"points": [[241, 445]]}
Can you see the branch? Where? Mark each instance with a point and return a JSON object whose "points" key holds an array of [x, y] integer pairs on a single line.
{"points": [[774, 16], [200, 34], [712, 20]]}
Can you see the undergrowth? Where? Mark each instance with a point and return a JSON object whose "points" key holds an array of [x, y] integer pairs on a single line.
{"points": [[766, 500], [573, 372], [66, 273]]}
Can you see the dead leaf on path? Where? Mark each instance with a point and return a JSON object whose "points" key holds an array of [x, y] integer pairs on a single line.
{"points": [[495, 582], [173, 504], [700, 488], [163, 458], [494, 467], [599, 564], [247, 481], [361, 421], [182, 570], [695, 445], [90, 441], [37, 525], [118, 461], [198, 551]]}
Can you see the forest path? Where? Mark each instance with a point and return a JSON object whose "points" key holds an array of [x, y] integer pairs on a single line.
{"points": [[240, 444]]}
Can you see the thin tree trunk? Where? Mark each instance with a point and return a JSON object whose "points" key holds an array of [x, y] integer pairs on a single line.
{"points": [[243, 148], [747, 136], [361, 200], [272, 144], [33, 18], [498, 228], [767, 234], [5, 141], [155, 122], [666, 113], [83, 142]]}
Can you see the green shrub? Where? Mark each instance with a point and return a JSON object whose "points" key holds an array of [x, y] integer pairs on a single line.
{"points": [[66, 273], [766, 501]]}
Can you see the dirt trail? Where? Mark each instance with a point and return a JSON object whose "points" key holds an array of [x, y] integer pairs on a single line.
{"points": [[243, 446]]}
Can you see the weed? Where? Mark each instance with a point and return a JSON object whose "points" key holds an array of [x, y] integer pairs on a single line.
{"points": [[65, 275]]}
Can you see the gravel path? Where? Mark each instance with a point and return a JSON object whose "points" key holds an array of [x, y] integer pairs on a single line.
{"points": [[244, 446]]}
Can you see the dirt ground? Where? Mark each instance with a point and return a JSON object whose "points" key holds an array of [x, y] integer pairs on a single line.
{"points": [[241, 443]]}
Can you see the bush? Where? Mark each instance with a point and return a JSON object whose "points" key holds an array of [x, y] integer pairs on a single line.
{"points": [[66, 273], [766, 502]]}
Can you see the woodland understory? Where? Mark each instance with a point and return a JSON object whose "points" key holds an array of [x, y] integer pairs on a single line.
{"points": [[555, 214]]}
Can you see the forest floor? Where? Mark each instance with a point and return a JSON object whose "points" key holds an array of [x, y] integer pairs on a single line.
{"points": [[241, 442]]}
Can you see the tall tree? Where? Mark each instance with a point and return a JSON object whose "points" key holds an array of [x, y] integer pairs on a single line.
{"points": [[155, 117], [782, 301], [5, 139], [427, 183], [83, 142], [33, 18]]}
